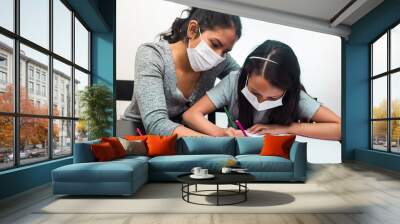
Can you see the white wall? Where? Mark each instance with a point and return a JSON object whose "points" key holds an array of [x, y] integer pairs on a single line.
{"points": [[319, 54], [139, 22]]}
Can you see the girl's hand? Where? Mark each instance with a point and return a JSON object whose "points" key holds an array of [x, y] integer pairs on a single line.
{"points": [[273, 129], [232, 132]]}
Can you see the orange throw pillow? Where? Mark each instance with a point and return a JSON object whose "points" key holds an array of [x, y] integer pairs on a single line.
{"points": [[103, 151], [116, 145], [277, 145], [161, 145]]}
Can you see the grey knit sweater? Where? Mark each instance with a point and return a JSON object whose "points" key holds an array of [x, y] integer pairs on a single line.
{"points": [[156, 98]]}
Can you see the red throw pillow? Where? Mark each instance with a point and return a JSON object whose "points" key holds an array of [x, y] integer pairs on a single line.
{"points": [[116, 145], [161, 145], [103, 151], [277, 145]]}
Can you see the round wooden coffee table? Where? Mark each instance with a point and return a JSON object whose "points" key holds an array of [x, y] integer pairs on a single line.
{"points": [[238, 179]]}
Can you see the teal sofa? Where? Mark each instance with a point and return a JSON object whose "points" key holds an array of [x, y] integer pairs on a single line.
{"points": [[125, 176]]}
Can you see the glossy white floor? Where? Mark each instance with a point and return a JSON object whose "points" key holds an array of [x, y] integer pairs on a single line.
{"points": [[378, 188]]}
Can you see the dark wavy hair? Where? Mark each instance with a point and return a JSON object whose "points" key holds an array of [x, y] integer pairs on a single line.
{"points": [[284, 75], [207, 20]]}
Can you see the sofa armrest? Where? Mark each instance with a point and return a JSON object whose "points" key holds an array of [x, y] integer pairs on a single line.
{"points": [[83, 152], [298, 155]]}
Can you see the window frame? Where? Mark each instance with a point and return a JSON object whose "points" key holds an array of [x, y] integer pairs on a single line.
{"points": [[16, 114], [388, 74], [3, 74], [6, 61], [3, 71]]}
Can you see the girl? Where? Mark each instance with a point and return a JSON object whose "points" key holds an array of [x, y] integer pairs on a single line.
{"points": [[174, 73], [266, 97]]}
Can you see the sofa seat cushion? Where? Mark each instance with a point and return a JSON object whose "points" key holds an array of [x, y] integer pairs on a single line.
{"points": [[133, 158], [185, 163], [257, 163], [122, 170]]}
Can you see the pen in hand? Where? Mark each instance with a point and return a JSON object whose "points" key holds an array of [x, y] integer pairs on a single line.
{"points": [[241, 127]]}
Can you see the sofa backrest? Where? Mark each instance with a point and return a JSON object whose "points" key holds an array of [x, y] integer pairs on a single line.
{"points": [[192, 146], [206, 145], [246, 145], [185, 145], [83, 152]]}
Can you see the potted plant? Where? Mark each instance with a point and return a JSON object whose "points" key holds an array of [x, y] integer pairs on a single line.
{"points": [[96, 104]]}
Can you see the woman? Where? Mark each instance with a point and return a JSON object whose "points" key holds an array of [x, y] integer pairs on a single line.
{"points": [[174, 73], [266, 97]]}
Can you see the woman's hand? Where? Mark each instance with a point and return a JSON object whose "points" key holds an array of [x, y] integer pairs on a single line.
{"points": [[273, 129], [232, 132]]}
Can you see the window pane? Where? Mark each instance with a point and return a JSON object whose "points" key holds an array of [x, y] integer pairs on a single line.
{"points": [[379, 55], [395, 138], [62, 89], [81, 45], [6, 142], [81, 131], [33, 140], [7, 14], [395, 47], [62, 29], [6, 74], [395, 95], [81, 81], [35, 21], [379, 135], [379, 97], [34, 81], [62, 138]]}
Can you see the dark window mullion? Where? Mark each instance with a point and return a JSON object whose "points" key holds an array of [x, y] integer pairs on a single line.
{"points": [[84, 70], [73, 82], [50, 81], [385, 73], [16, 69], [371, 137], [7, 33], [89, 53], [39, 116], [386, 119], [389, 115]]}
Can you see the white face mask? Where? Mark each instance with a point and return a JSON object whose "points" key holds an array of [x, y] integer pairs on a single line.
{"points": [[202, 57], [266, 105]]}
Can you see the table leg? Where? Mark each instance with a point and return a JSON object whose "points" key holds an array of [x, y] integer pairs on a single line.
{"points": [[196, 187], [188, 190], [245, 193], [217, 194]]}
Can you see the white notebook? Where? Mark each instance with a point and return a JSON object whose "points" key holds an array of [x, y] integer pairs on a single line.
{"points": [[260, 135], [253, 135]]}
